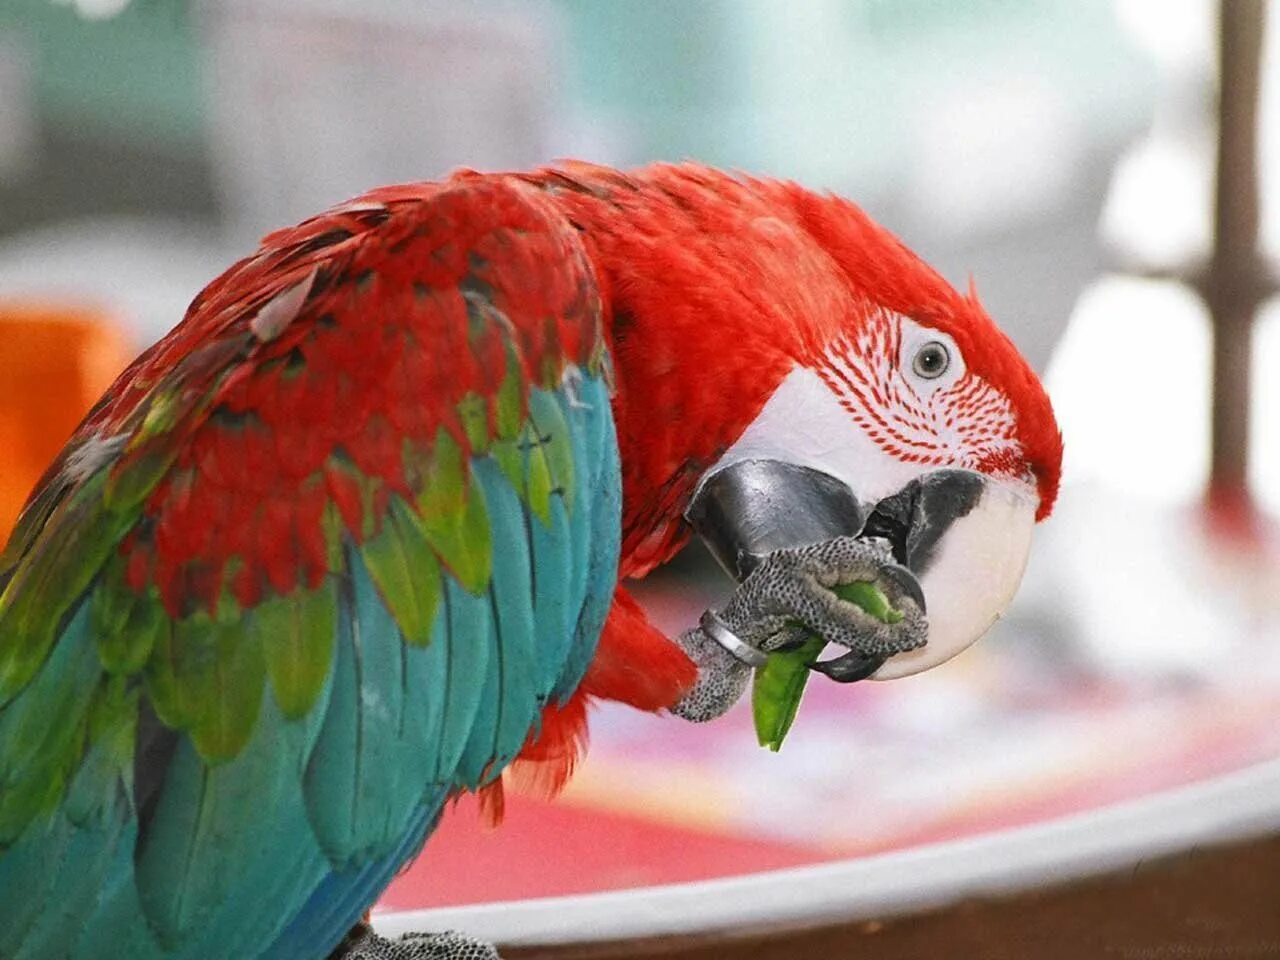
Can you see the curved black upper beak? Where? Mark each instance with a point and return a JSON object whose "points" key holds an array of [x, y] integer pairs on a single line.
{"points": [[914, 519]]}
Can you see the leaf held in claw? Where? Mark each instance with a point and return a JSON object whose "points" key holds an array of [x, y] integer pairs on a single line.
{"points": [[776, 690], [778, 686]]}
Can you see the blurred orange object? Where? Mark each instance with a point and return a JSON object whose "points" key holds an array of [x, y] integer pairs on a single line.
{"points": [[54, 363]]}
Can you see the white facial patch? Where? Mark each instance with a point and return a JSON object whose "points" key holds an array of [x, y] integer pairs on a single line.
{"points": [[919, 412], [804, 423]]}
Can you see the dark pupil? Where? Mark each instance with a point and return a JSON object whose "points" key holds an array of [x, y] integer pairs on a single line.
{"points": [[931, 359]]}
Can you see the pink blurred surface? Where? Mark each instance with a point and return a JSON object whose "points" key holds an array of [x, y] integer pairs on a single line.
{"points": [[1037, 722]]}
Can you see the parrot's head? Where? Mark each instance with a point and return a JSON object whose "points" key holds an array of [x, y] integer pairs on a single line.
{"points": [[789, 371], [937, 434]]}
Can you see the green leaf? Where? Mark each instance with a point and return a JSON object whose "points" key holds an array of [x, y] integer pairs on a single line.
{"points": [[776, 690], [778, 686], [868, 596]]}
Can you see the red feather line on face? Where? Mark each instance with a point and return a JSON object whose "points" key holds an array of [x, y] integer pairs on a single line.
{"points": [[967, 424]]}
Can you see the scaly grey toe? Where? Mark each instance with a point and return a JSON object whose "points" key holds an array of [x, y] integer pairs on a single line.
{"points": [[449, 945]]}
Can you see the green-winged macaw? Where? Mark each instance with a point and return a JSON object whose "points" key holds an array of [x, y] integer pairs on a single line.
{"points": [[348, 540]]}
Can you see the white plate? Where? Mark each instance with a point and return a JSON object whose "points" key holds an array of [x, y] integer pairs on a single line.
{"points": [[1236, 806]]}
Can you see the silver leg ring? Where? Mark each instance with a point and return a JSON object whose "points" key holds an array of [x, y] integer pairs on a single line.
{"points": [[717, 630]]}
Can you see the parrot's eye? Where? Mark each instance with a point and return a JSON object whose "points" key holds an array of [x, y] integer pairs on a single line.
{"points": [[931, 360]]}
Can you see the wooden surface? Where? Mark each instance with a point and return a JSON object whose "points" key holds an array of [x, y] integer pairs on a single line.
{"points": [[1214, 903]]}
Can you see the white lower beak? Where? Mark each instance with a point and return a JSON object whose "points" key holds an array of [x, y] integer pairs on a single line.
{"points": [[971, 577]]}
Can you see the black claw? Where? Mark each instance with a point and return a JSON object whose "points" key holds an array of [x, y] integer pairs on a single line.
{"points": [[906, 582], [849, 667]]}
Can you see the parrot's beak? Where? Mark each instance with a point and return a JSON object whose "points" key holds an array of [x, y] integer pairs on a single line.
{"points": [[964, 536], [748, 510]]}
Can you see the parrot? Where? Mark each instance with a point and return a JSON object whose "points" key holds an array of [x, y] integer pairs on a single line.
{"points": [[353, 539]]}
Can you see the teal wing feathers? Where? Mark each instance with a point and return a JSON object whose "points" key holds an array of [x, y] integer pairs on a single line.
{"points": [[316, 565]]}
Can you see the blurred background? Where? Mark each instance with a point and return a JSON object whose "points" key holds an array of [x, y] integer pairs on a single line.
{"points": [[1066, 154]]}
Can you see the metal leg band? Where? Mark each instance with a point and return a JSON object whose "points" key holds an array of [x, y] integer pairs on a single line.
{"points": [[716, 629]]}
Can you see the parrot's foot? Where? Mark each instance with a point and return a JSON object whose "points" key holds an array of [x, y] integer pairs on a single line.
{"points": [[788, 597], [450, 945]]}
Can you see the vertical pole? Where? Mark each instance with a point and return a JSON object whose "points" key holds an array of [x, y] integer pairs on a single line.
{"points": [[1234, 288]]}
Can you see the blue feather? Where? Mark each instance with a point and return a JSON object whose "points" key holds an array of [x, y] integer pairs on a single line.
{"points": [[466, 635], [594, 423], [81, 869], [337, 903], [512, 676], [365, 776], [117, 927], [26, 880], [235, 866]]}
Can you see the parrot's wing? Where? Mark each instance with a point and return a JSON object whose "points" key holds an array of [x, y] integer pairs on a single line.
{"points": [[315, 563]]}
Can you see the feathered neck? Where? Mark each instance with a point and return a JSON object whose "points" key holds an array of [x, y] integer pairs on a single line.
{"points": [[713, 293]]}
